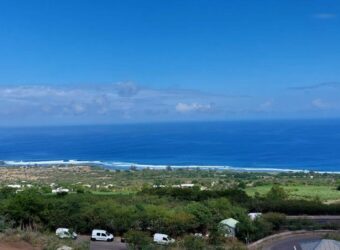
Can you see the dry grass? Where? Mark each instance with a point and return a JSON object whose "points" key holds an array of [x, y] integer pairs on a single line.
{"points": [[41, 241]]}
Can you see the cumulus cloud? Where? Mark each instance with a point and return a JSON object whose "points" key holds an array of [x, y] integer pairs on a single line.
{"points": [[192, 107], [112, 102], [130, 102]]}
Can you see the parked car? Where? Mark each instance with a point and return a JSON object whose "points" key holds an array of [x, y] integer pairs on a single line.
{"points": [[162, 239], [102, 235], [65, 233]]}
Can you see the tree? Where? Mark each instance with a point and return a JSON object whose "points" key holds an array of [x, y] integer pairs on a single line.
{"points": [[25, 208], [202, 215], [277, 193]]}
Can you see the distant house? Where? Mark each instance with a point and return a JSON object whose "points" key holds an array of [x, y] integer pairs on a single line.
{"points": [[60, 190], [14, 186], [321, 245], [228, 226], [158, 186], [187, 185], [184, 185], [254, 216]]}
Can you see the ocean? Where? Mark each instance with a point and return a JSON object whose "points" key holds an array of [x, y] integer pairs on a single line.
{"points": [[277, 145]]}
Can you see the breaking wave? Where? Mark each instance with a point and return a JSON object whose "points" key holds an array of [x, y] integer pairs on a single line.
{"points": [[128, 165]]}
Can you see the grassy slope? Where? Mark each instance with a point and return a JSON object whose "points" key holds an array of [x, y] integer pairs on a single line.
{"points": [[324, 193]]}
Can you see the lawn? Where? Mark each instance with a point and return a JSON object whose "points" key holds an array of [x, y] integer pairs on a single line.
{"points": [[324, 193]]}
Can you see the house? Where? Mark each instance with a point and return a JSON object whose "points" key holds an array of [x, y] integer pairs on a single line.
{"points": [[14, 186], [60, 190], [254, 216], [158, 186], [228, 226], [187, 185]]}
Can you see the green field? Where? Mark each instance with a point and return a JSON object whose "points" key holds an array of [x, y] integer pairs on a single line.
{"points": [[324, 193]]}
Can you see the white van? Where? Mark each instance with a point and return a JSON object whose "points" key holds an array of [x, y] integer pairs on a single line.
{"points": [[162, 239], [98, 234], [65, 233]]}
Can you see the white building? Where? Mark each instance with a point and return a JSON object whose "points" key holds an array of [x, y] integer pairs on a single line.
{"points": [[60, 190], [14, 186], [254, 216]]}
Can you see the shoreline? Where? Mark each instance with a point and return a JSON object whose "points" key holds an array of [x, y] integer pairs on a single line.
{"points": [[128, 165]]}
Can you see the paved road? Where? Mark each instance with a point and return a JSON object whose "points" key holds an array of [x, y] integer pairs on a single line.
{"points": [[292, 243], [102, 245], [321, 219]]}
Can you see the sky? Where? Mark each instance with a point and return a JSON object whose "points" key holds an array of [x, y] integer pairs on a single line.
{"points": [[94, 62]]}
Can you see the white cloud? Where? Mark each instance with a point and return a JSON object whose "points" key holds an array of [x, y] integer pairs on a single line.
{"points": [[128, 101], [192, 107], [111, 102], [325, 16], [266, 105], [126, 89], [320, 104]]}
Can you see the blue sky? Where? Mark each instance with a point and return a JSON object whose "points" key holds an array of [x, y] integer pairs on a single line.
{"points": [[75, 62]]}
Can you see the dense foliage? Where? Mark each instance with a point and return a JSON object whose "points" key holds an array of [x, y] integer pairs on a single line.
{"points": [[175, 211]]}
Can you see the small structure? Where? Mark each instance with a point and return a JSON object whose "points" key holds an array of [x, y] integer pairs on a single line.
{"points": [[187, 185], [254, 216], [14, 186], [321, 245], [229, 227], [184, 185], [158, 186], [60, 190]]}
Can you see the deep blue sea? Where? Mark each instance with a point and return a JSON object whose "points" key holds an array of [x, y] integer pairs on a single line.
{"points": [[302, 145]]}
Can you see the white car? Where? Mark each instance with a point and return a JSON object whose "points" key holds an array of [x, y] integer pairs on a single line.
{"points": [[102, 235], [65, 233], [162, 239]]}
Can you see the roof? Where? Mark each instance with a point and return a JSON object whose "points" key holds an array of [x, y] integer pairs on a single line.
{"points": [[229, 222], [321, 245]]}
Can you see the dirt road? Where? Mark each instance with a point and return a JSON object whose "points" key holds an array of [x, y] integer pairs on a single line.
{"points": [[20, 245]]}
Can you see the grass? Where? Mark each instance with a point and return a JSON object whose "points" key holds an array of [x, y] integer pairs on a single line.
{"points": [[39, 240], [309, 192]]}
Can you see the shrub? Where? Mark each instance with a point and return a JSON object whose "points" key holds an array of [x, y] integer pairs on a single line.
{"points": [[276, 219], [194, 243], [138, 239]]}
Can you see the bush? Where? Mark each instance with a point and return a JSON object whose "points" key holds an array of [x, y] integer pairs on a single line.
{"points": [[194, 243], [138, 239], [276, 219]]}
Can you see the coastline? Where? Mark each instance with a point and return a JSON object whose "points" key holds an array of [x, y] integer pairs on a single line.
{"points": [[127, 165]]}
